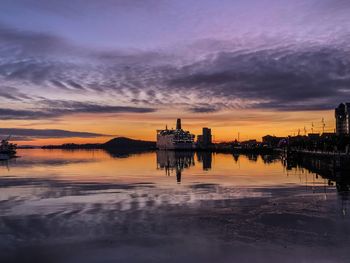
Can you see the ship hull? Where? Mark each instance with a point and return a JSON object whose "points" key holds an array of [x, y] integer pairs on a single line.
{"points": [[167, 143], [184, 146]]}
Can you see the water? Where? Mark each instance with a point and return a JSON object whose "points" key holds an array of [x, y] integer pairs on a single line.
{"points": [[95, 206]]}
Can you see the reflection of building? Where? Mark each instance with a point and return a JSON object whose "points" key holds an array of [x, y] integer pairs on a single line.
{"points": [[205, 140], [177, 139], [342, 119], [333, 169], [206, 159], [272, 141]]}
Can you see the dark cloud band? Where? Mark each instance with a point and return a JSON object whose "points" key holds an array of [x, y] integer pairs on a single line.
{"points": [[48, 109], [46, 133]]}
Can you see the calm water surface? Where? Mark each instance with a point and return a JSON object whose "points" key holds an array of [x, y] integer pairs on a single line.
{"points": [[94, 206]]}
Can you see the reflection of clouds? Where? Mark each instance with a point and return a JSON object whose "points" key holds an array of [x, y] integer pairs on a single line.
{"points": [[134, 214], [62, 184], [47, 157], [43, 162], [46, 192]]}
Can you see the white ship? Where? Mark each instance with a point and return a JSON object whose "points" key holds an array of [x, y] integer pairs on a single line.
{"points": [[177, 139]]}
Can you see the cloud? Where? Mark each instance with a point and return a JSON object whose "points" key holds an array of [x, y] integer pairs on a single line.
{"points": [[46, 133], [62, 107], [47, 109], [10, 114], [286, 76], [284, 79], [203, 109], [22, 42], [43, 62], [77, 8], [13, 94]]}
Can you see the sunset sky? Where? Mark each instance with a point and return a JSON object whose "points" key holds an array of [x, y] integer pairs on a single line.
{"points": [[85, 71]]}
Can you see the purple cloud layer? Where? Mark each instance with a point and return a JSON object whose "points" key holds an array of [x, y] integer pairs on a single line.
{"points": [[290, 56]]}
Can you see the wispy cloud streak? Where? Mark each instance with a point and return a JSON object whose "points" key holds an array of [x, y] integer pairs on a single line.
{"points": [[47, 133]]}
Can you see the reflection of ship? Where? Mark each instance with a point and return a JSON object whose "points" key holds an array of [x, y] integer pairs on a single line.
{"points": [[177, 161], [177, 139], [7, 149], [174, 161]]}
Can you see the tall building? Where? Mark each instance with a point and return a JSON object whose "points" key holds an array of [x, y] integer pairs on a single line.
{"points": [[205, 139], [342, 119], [206, 132]]}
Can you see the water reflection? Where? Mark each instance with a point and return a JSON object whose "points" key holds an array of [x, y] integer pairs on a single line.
{"points": [[90, 164], [59, 157], [266, 158], [206, 159], [171, 161], [123, 153], [177, 161], [335, 170], [91, 206]]}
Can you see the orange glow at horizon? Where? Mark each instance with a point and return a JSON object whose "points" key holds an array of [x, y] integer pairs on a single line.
{"points": [[250, 124]]}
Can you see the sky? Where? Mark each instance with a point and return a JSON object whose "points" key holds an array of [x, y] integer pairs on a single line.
{"points": [[85, 71]]}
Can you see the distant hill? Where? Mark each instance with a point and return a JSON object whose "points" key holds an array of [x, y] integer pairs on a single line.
{"points": [[123, 143], [116, 144]]}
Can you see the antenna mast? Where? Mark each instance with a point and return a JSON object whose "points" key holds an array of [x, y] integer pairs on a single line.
{"points": [[323, 125]]}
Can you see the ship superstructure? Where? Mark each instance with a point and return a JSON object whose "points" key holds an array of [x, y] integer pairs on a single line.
{"points": [[177, 139]]}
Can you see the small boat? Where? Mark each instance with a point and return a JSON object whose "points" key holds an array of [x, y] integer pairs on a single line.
{"points": [[7, 150]]}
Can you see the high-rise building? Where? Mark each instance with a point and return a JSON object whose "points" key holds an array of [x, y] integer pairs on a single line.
{"points": [[206, 132], [204, 140], [342, 119]]}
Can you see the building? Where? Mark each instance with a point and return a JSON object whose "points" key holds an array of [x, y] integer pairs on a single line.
{"points": [[207, 137], [272, 141], [314, 136], [177, 139], [342, 119], [204, 141], [250, 144]]}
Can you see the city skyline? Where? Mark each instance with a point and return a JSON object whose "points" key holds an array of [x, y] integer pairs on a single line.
{"points": [[42, 137], [94, 70]]}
